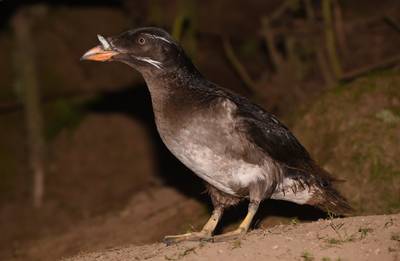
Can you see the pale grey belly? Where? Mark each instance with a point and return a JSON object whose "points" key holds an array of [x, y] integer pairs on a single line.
{"points": [[227, 174], [212, 148], [231, 174], [210, 163]]}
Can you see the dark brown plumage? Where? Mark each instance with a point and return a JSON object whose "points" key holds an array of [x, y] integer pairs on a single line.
{"points": [[238, 148]]}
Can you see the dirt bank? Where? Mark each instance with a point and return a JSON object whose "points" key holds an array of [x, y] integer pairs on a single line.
{"points": [[355, 238]]}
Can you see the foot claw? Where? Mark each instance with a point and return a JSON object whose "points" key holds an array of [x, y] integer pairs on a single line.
{"points": [[195, 236], [236, 234]]}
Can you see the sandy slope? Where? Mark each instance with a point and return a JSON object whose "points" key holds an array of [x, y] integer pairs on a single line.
{"points": [[355, 238]]}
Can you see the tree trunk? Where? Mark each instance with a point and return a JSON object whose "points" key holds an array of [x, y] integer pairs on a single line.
{"points": [[316, 43], [26, 79], [330, 40]]}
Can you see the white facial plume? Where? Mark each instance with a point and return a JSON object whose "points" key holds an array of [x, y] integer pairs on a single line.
{"points": [[155, 63], [104, 42]]}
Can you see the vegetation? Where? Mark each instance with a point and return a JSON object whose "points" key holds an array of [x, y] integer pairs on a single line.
{"points": [[358, 126], [307, 256]]}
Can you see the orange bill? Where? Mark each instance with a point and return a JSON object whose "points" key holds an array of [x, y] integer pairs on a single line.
{"points": [[98, 54]]}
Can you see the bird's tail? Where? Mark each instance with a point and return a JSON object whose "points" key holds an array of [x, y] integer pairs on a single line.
{"points": [[321, 189], [328, 199]]}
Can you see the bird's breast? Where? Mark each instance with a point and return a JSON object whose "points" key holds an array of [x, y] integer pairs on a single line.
{"points": [[209, 145]]}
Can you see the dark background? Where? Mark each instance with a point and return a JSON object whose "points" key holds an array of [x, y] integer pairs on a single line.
{"points": [[328, 69]]}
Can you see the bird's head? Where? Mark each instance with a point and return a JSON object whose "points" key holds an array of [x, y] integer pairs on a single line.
{"points": [[145, 49]]}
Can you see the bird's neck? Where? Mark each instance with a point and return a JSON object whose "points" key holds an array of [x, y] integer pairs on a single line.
{"points": [[170, 86], [172, 92]]}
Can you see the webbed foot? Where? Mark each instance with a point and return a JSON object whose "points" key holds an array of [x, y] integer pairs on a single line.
{"points": [[236, 234], [193, 236]]}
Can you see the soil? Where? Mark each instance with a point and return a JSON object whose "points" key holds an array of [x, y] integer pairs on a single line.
{"points": [[355, 238], [147, 217]]}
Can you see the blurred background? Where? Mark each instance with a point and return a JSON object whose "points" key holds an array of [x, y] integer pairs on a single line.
{"points": [[81, 165]]}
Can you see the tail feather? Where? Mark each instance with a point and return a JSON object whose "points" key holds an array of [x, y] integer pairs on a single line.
{"points": [[329, 200], [324, 195]]}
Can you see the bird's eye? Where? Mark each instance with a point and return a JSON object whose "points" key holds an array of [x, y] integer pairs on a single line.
{"points": [[141, 40]]}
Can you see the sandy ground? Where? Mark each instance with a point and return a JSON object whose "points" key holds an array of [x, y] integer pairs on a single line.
{"points": [[147, 217], [355, 238]]}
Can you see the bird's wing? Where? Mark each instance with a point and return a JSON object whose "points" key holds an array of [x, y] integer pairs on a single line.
{"points": [[262, 128], [265, 131], [273, 138]]}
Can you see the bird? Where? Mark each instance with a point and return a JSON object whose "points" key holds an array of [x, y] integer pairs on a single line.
{"points": [[240, 150]]}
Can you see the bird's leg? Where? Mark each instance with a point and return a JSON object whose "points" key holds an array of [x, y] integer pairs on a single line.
{"points": [[204, 234], [243, 227]]}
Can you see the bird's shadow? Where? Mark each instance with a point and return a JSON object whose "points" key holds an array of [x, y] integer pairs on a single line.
{"points": [[136, 104]]}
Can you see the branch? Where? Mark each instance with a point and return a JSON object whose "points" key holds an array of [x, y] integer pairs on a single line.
{"points": [[281, 9], [309, 11], [237, 65], [330, 38], [369, 68], [269, 37], [392, 22], [318, 49], [339, 27]]}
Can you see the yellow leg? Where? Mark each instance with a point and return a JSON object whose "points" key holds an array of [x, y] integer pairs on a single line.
{"points": [[204, 234], [212, 223], [243, 227]]}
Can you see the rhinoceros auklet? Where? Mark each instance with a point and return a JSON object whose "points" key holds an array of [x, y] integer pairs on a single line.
{"points": [[238, 148]]}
